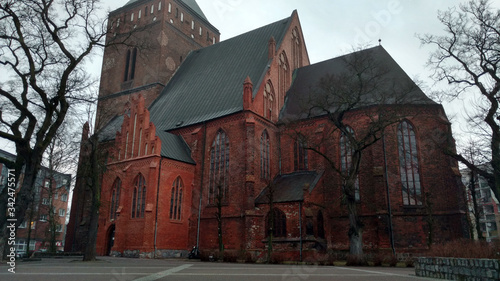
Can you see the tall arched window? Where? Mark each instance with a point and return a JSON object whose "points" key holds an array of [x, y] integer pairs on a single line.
{"points": [[115, 198], [300, 155], [283, 78], [408, 165], [130, 64], [296, 49], [279, 223], [176, 199], [346, 151], [139, 197], [264, 156], [219, 167], [268, 101]]}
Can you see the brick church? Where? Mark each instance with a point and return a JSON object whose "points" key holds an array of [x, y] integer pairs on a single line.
{"points": [[191, 122]]}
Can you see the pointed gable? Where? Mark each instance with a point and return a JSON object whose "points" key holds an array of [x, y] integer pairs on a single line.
{"points": [[209, 83]]}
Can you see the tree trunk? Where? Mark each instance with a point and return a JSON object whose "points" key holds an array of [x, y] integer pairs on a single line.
{"points": [[94, 177]]}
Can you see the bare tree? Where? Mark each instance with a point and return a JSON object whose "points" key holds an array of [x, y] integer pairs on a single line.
{"points": [[363, 89], [44, 44], [467, 57]]}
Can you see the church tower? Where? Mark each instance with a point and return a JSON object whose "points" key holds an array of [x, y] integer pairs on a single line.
{"points": [[146, 43]]}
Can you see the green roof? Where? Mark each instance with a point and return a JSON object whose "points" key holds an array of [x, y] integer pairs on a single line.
{"points": [[209, 83]]}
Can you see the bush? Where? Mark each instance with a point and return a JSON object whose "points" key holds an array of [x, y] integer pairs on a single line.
{"points": [[377, 259], [465, 248], [391, 260], [355, 260]]}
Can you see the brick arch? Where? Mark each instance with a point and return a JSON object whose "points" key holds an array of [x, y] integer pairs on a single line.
{"points": [[219, 166], [138, 196], [269, 101]]}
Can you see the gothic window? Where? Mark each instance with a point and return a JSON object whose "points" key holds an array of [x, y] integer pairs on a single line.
{"points": [[279, 223], [300, 155], [346, 151], [159, 6], [296, 49], [264, 156], [139, 197], [182, 17], [408, 165], [321, 225], [176, 199], [219, 167], [169, 7], [130, 64], [268, 101], [115, 198], [283, 77]]}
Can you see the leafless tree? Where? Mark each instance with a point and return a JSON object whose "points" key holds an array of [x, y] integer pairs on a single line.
{"points": [[467, 57], [359, 101], [44, 44]]}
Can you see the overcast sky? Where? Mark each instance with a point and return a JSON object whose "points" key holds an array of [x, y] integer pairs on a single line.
{"points": [[334, 27]]}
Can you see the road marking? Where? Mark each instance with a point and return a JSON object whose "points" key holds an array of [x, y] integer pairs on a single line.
{"points": [[162, 274]]}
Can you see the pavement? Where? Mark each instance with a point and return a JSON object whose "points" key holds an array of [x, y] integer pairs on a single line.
{"points": [[125, 269]]}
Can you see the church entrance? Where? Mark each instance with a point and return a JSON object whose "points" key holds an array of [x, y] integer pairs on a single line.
{"points": [[111, 239]]}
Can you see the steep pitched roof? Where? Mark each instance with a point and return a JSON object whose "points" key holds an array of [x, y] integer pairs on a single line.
{"points": [[394, 86], [290, 187], [209, 83]]}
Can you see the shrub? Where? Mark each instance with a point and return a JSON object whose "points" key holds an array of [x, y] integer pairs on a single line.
{"points": [[377, 259], [465, 248], [356, 260], [391, 260]]}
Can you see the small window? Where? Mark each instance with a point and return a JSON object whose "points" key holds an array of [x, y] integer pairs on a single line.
{"points": [[117, 22], [132, 17], [62, 212], [208, 36], [59, 228], [43, 217], [176, 12], [56, 196], [169, 8], [139, 15], [152, 9], [182, 17], [45, 201], [23, 225], [64, 197], [159, 6], [201, 30], [213, 40], [192, 24], [146, 11]]}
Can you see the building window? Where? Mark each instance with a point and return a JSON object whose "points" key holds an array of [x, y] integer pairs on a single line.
{"points": [[169, 7], [300, 154], [213, 40], [132, 17], [192, 24], [201, 30], [321, 225], [283, 77], [176, 199], [64, 197], [278, 228], [219, 167], [43, 217], [130, 64], [59, 228], [346, 152], [264, 156], [408, 165], [208, 36], [139, 14], [182, 17], [268, 101], [159, 6], [62, 212], [176, 12], [152, 9], [45, 201], [115, 198], [24, 224], [56, 196], [296, 49], [139, 197]]}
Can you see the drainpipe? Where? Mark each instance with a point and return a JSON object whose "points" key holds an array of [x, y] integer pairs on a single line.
{"points": [[201, 183], [156, 215], [389, 209], [300, 229]]}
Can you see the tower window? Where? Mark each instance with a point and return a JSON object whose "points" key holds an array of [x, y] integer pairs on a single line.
{"points": [[159, 6], [169, 7], [176, 12], [182, 17], [152, 9], [139, 14], [201, 30], [132, 17], [130, 64], [192, 24]]}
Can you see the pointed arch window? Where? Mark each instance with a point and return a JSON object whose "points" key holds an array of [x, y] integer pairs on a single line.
{"points": [[115, 198], [408, 165], [139, 197], [264, 156], [283, 78], [130, 64], [278, 228], [296, 49], [346, 152], [268, 101], [176, 199], [300, 154], [219, 167]]}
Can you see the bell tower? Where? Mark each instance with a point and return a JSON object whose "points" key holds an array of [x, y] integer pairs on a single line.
{"points": [[146, 42]]}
